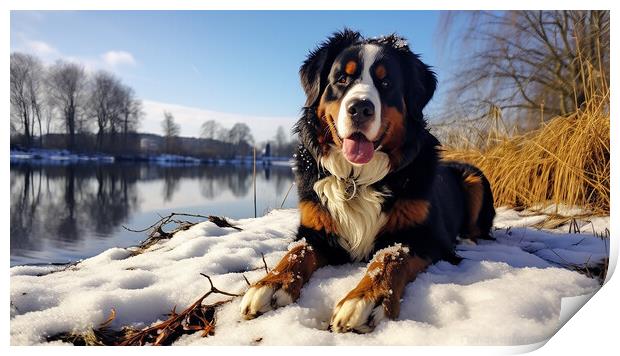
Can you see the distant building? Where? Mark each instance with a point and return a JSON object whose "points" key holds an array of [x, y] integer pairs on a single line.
{"points": [[148, 144]]}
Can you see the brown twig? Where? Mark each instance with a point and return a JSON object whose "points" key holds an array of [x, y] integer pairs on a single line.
{"points": [[215, 290], [221, 222], [264, 263], [196, 317], [158, 233]]}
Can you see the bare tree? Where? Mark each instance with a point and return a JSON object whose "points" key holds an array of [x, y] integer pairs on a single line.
{"points": [[20, 107], [116, 119], [171, 130], [35, 89], [131, 110], [223, 134], [67, 82], [115, 107], [26, 93], [532, 65], [280, 140], [48, 116], [104, 102], [240, 133], [210, 129]]}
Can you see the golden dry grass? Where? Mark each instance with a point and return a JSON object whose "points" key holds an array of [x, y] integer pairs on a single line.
{"points": [[565, 161]]}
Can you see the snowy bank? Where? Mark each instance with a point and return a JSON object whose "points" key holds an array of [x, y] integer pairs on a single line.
{"points": [[505, 292], [63, 157]]}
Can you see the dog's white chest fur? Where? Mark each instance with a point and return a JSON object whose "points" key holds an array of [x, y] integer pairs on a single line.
{"points": [[355, 207]]}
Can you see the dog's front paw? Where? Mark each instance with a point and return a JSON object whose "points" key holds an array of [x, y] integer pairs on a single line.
{"points": [[359, 314], [260, 299]]}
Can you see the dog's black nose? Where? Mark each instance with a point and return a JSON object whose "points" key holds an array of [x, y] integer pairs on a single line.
{"points": [[361, 111]]}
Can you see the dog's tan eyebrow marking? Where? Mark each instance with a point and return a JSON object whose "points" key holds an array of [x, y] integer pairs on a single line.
{"points": [[380, 71], [350, 67]]}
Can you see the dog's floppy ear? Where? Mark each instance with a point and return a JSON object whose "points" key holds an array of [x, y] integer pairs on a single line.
{"points": [[420, 86], [420, 80], [315, 69]]}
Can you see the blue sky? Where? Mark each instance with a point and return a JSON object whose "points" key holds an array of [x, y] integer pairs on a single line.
{"points": [[228, 65]]}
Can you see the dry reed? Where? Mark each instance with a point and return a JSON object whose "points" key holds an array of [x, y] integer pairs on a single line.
{"points": [[564, 162]]}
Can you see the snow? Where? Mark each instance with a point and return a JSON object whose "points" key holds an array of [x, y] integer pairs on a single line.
{"points": [[505, 292], [393, 250], [51, 156], [510, 218], [64, 157]]}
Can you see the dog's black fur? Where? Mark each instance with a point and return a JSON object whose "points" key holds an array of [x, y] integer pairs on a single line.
{"points": [[420, 175]]}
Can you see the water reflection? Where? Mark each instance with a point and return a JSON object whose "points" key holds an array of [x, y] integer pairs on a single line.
{"points": [[61, 213]]}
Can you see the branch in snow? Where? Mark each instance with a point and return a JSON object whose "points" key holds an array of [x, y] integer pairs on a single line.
{"points": [[196, 317], [158, 233]]}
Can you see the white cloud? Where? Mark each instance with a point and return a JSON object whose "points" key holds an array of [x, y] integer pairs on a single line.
{"points": [[190, 119], [114, 58], [109, 60], [40, 48], [90, 65]]}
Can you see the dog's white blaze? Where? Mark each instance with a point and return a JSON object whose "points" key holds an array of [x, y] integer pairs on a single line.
{"points": [[358, 219], [364, 90]]}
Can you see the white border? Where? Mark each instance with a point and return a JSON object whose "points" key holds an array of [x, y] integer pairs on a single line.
{"points": [[589, 331], [301, 5]]}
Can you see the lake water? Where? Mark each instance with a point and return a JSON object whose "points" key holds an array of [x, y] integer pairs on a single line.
{"points": [[63, 213]]}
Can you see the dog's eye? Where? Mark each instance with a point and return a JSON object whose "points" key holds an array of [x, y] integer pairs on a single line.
{"points": [[385, 84], [342, 79]]}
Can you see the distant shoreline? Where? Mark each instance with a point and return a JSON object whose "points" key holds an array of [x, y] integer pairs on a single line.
{"points": [[47, 156]]}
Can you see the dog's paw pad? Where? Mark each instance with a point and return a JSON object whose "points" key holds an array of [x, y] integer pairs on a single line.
{"points": [[261, 299], [358, 315]]}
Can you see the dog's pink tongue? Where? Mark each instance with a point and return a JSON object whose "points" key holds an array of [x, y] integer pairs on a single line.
{"points": [[357, 149]]}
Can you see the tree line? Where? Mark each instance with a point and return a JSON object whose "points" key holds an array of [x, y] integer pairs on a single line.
{"points": [[280, 145], [97, 112], [64, 96], [238, 140]]}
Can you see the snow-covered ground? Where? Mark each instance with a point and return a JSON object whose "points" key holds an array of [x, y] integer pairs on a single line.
{"points": [[505, 292]]}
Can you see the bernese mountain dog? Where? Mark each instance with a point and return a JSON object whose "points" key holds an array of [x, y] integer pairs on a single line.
{"points": [[371, 183]]}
